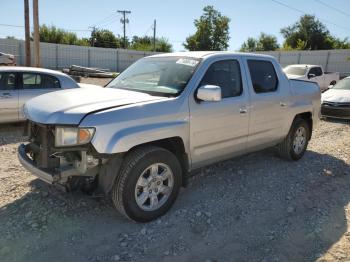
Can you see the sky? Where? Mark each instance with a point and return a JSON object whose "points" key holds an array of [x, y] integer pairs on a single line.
{"points": [[175, 18]]}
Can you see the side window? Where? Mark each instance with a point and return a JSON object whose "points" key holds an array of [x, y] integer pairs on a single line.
{"points": [[7, 81], [31, 81], [39, 81], [50, 81], [313, 71], [318, 71], [227, 75], [263, 76]]}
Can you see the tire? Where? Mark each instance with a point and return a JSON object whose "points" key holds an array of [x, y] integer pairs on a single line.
{"points": [[142, 171], [289, 150]]}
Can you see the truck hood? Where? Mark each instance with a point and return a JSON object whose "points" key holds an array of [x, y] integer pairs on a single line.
{"points": [[336, 95], [71, 105]]}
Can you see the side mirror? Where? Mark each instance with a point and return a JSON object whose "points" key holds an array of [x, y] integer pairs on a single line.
{"points": [[209, 93], [311, 75]]}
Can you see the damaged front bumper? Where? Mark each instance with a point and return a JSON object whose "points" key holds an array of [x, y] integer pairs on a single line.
{"points": [[59, 175]]}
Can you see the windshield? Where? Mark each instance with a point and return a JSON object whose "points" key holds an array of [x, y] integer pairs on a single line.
{"points": [[295, 70], [343, 84], [165, 76]]}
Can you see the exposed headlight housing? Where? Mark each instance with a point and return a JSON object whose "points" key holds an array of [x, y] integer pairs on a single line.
{"points": [[73, 136]]}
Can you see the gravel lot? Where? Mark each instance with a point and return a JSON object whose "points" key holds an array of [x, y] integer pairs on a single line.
{"points": [[252, 208]]}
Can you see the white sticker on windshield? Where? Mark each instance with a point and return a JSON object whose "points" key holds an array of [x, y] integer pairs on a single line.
{"points": [[187, 61]]}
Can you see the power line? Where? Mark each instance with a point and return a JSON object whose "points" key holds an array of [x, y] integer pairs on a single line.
{"points": [[334, 8], [104, 19], [73, 30], [300, 11]]}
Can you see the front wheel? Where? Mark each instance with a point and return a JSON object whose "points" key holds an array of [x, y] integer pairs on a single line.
{"points": [[148, 183], [294, 145]]}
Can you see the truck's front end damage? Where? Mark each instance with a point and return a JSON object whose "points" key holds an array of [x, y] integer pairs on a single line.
{"points": [[60, 155]]}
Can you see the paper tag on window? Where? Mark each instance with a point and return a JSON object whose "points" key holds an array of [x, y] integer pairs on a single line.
{"points": [[187, 61]]}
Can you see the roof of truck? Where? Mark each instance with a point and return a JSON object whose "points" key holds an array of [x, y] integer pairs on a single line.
{"points": [[202, 54]]}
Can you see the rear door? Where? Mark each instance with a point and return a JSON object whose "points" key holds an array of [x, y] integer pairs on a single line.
{"points": [[8, 97], [35, 84], [269, 103]]}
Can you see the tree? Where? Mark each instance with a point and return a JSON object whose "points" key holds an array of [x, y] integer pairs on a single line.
{"points": [[106, 38], [212, 31], [145, 43], [311, 31], [52, 34], [265, 42]]}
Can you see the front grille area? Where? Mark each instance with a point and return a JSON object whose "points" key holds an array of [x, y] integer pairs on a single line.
{"points": [[42, 142], [335, 109]]}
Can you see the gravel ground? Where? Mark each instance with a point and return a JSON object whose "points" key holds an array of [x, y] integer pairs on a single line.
{"points": [[252, 208]]}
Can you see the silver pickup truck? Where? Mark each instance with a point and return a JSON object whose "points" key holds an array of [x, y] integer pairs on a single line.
{"points": [[164, 116]]}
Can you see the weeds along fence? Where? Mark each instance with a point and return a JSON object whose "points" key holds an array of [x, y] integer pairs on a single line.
{"points": [[331, 60], [58, 56]]}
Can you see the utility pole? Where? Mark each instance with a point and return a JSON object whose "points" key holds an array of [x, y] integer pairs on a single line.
{"points": [[36, 33], [27, 33], [124, 21], [93, 35], [154, 35]]}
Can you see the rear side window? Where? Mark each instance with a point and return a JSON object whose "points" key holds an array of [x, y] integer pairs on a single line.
{"points": [[317, 71], [39, 81], [227, 75], [263, 76], [7, 81]]}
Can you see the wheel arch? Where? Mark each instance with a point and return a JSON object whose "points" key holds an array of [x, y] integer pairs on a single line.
{"points": [[307, 116], [111, 169]]}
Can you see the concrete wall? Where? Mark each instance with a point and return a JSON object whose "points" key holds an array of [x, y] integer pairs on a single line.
{"points": [[331, 60], [57, 56]]}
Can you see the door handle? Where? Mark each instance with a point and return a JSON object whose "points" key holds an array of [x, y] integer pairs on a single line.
{"points": [[282, 104], [243, 110]]}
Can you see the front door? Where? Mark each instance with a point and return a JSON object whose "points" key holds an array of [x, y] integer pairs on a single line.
{"points": [[219, 129], [8, 97]]}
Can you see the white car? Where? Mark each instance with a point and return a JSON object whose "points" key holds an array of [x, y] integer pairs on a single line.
{"points": [[20, 84], [336, 100], [312, 73], [7, 59]]}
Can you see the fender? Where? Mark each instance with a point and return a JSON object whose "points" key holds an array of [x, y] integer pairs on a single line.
{"points": [[125, 139]]}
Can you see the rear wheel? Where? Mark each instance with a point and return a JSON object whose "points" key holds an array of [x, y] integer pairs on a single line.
{"points": [[148, 183], [294, 145]]}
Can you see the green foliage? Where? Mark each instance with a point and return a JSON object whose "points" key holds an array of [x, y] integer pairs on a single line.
{"points": [[265, 42], [212, 32], [145, 43], [101, 38], [106, 38], [52, 34], [308, 34]]}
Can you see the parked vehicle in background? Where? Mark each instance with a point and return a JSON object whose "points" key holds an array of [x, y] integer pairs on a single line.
{"points": [[162, 117], [312, 73], [336, 100], [19, 84], [7, 59]]}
